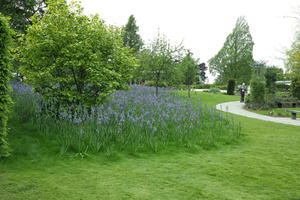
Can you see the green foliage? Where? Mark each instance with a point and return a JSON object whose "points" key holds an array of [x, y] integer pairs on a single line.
{"points": [[188, 69], [293, 55], [5, 65], [132, 121], [130, 35], [152, 83], [158, 61], [20, 11], [295, 86], [257, 95], [214, 90], [276, 112], [282, 87], [230, 87], [271, 78], [70, 57], [235, 58], [202, 74]]}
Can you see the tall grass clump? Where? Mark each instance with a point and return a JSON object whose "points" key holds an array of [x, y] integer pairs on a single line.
{"points": [[134, 120]]}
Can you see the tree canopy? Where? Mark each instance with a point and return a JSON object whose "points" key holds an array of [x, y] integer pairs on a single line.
{"points": [[235, 58], [131, 37], [20, 11], [73, 58], [188, 70], [159, 60], [293, 55]]}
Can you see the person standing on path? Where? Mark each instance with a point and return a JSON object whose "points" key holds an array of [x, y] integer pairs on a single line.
{"points": [[243, 91]]}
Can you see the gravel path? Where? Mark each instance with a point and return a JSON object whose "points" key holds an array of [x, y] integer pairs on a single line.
{"points": [[236, 107]]}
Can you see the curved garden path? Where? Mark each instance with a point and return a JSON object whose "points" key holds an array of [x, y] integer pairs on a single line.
{"points": [[236, 107]]}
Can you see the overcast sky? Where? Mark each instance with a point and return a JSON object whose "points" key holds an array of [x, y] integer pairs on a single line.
{"points": [[203, 25]]}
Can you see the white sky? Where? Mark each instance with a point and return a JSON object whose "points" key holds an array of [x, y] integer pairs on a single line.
{"points": [[203, 25]]}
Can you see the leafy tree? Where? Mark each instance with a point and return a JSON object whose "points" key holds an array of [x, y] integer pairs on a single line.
{"points": [[72, 58], [159, 60], [131, 37], [189, 70], [5, 43], [202, 72], [271, 76], [293, 55], [235, 59], [20, 11]]}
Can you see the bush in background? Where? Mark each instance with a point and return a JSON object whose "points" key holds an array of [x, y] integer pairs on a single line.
{"points": [[282, 87], [230, 87], [295, 86], [5, 100], [203, 86], [153, 84], [271, 77], [214, 90], [257, 96]]}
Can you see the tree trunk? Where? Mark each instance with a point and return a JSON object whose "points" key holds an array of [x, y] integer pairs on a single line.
{"points": [[189, 91]]}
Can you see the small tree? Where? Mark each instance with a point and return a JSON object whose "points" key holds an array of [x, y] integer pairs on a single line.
{"points": [[160, 60], [188, 69], [5, 43], [235, 58], [130, 35], [202, 72], [72, 58]]}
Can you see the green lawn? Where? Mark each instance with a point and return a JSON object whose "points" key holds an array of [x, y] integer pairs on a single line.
{"points": [[210, 98], [264, 165]]}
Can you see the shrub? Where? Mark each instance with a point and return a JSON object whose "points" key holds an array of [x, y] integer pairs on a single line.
{"points": [[230, 87], [203, 86], [282, 87], [214, 90], [270, 100], [221, 87], [5, 43], [72, 58], [295, 86], [257, 95], [153, 84], [271, 77]]}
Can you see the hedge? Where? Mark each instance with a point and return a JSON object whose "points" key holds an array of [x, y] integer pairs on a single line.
{"points": [[5, 42]]}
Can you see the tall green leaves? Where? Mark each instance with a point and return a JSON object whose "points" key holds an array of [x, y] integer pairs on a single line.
{"points": [[70, 57], [235, 58], [5, 42]]}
